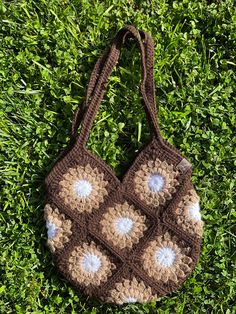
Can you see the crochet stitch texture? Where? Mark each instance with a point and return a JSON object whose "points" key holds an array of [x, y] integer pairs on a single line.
{"points": [[129, 240]]}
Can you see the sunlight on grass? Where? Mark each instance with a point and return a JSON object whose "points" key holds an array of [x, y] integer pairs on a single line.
{"points": [[48, 49]]}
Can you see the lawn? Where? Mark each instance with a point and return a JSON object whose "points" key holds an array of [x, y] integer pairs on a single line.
{"points": [[48, 49]]}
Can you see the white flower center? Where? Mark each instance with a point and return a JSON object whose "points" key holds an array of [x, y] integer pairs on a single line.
{"points": [[91, 262], [51, 229], [194, 211], [124, 225], [165, 256], [83, 188], [156, 182], [130, 300]]}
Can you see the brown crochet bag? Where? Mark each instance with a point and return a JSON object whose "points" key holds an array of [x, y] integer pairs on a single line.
{"points": [[131, 239]]}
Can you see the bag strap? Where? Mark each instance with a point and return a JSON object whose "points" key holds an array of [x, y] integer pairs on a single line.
{"points": [[150, 84], [103, 69], [78, 115], [149, 56]]}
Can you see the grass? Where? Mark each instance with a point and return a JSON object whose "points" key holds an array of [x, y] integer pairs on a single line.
{"points": [[48, 49]]}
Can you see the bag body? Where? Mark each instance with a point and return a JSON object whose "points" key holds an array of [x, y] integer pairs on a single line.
{"points": [[123, 240]]}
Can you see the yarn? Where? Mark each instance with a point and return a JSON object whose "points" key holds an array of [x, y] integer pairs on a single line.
{"points": [[130, 300], [165, 256], [171, 261], [129, 239], [83, 188], [51, 229], [156, 182], [124, 225], [194, 212], [91, 262], [58, 228], [187, 214], [130, 291]]}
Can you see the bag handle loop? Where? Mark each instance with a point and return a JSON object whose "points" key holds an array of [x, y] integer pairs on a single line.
{"points": [[99, 77], [150, 85]]}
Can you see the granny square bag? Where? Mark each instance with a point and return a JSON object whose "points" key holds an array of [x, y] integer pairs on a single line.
{"points": [[129, 239]]}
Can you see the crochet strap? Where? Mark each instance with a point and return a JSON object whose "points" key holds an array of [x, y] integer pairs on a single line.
{"points": [[78, 115], [99, 78], [149, 59], [149, 51]]}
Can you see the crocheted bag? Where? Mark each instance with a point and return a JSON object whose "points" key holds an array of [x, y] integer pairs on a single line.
{"points": [[131, 239]]}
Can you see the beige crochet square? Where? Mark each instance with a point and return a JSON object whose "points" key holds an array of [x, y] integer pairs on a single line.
{"points": [[155, 182], [123, 225]]}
